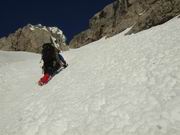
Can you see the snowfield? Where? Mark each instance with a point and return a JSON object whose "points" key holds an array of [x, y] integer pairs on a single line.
{"points": [[124, 85]]}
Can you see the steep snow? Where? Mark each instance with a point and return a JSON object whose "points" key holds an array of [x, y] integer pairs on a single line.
{"points": [[124, 85]]}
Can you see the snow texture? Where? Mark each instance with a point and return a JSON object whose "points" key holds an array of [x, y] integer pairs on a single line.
{"points": [[124, 85]]}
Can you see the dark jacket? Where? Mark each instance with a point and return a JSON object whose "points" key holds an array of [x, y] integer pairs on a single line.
{"points": [[49, 57]]}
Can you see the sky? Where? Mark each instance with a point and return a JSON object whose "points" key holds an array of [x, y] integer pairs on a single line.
{"points": [[71, 17]]}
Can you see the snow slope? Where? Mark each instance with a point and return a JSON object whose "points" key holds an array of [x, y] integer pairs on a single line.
{"points": [[124, 85]]}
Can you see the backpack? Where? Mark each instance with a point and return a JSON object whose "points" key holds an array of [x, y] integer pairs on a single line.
{"points": [[49, 57]]}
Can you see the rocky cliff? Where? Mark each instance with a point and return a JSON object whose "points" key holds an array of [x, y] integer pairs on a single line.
{"points": [[122, 14], [31, 38]]}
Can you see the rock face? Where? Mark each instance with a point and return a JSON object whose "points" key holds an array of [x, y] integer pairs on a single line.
{"points": [[122, 14], [31, 38]]}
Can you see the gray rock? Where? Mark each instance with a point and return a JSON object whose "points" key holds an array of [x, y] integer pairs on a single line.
{"points": [[31, 38], [123, 14]]}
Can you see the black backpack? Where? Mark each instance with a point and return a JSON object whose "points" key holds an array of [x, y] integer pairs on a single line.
{"points": [[49, 57]]}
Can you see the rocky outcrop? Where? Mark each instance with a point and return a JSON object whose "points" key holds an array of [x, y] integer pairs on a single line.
{"points": [[31, 38], [122, 14]]}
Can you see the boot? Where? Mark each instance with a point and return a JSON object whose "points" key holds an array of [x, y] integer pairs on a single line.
{"points": [[44, 79]]}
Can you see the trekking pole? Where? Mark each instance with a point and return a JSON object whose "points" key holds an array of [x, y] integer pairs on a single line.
{"points": [[40, 61]]}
